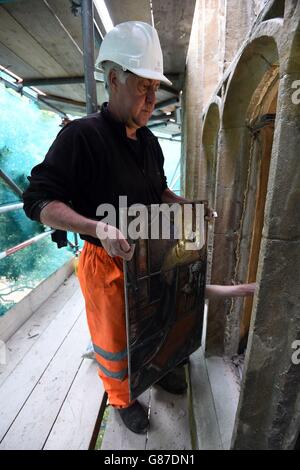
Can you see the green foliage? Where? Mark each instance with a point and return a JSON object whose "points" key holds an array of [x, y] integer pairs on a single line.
{"points": [[16, 228], [26, 133]]}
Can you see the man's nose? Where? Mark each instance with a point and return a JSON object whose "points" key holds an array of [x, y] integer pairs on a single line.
{"points": [[151, 97]]}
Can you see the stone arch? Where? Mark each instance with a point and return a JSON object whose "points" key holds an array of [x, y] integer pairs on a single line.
{"points": [[254, 76], [274, 10], [259, 58]]}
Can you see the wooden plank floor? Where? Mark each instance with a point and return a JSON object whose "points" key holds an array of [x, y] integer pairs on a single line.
{"points": [[50, 397], [203, 419], [169, 425], [215, 396], [225, 392]]}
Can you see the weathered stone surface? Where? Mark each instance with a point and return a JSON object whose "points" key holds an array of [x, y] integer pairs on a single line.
{"points": [[267, 420], [212, 52], [233, 162], [290, 40], [289, 99], [233, 153], [239, 18], [282, 219], [229, 211], [216, 324], [192, 106], [223, 262], [269, 412], [211, 127], [217, 33], [222, 273], [271, 28]]}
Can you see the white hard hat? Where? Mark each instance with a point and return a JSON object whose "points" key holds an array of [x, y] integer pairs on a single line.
{"points": [[135, 46]]}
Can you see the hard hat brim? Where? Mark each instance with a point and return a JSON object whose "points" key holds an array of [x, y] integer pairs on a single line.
{"points": [[151, 75], [144, 73]]}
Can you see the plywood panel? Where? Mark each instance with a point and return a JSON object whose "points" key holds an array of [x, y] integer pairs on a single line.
{"points": [[16, 64], [72, 23], [129, 10], [44, 26], [19, 41]]}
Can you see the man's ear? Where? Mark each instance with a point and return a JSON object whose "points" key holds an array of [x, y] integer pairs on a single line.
{"points": [[113, 80]]}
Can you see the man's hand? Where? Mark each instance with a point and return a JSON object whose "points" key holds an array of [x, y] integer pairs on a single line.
{"points": [[114, 242], [244, 290], [210, 215]]}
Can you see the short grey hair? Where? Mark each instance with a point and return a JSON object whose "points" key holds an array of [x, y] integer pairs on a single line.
{"points": [[107, 67]]}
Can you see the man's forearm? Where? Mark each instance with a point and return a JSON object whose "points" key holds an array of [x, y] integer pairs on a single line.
{"points": [[239, 290], [60, 216]]}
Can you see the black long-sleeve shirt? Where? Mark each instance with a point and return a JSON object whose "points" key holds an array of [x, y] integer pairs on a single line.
{"points": [[92, 162]]}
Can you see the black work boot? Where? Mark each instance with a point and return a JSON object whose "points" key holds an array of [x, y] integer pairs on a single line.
{"points": [[135, 418], [174, 382]]}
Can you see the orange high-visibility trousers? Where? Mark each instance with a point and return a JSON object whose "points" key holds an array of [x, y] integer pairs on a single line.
{"points": [[102, 283]]}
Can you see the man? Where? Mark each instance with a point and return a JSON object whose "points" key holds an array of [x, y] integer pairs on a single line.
{"points": [[93, 161]]}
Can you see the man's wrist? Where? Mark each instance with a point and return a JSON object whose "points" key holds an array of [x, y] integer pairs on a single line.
{"points": [[91, 228]]}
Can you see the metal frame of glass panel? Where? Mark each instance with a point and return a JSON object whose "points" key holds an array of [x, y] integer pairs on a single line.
{"points": [[164, 295]]}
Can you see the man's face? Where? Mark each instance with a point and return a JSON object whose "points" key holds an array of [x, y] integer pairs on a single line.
{"points": [[136, 100]]}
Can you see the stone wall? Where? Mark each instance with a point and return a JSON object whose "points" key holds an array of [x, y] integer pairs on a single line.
{"points": [[219, 29], [258, 85]]}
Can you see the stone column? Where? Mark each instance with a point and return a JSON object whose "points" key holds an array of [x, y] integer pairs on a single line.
{"points": [[192, 106], [203, 72]]}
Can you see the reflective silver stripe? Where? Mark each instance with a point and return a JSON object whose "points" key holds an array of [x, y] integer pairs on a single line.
{"points": [[114, 375], [110, 356]]}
